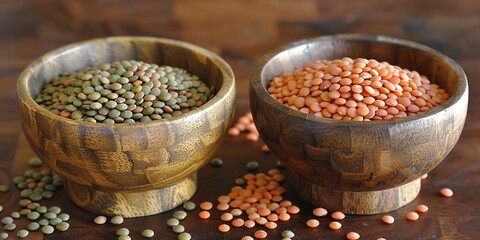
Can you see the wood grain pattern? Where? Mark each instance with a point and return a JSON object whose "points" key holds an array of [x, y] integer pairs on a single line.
{"points": [[136, 157], [353, 156], [241, 31]]}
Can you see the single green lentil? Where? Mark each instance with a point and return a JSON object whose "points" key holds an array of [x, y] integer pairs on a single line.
{"points": [[15, 215], [178, 229], [7, 220], [33, 226], [25, 193], [288, 234], [173, 222], [35, 197], [41, 209], [50, 215], [47, 229], [148, 233], [122, 232], [180, 215], [4, 188], [55, 221], [25, 211], [184, 236], [63, 226], [216, 162], [55, 209], [3, 236], [189, 206], [22, 233], [33, 215], [64, 216], [43, 222], [10, 226], [124, 238], [253, 165], [116, 220], [18, 179], [35, 162]]}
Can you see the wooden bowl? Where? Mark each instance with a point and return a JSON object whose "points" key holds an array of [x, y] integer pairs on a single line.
{"points": [[359, 167], [128, 169]]}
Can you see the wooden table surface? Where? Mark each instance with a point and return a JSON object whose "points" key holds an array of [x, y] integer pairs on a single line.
{"points": [[241, 31]]}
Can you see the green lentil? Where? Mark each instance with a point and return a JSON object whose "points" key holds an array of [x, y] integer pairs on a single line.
{"points": [[217, 162], [173, 222], [124, 238], [4, 188], [116, 220], [47, 194], [10, 226], [184, 236], [50, 215], [18, 179], [288, 234], [63, 226], [180, 215], [41, 209], [64, 216], [22, 233], [240, 181], [7, 220], [55, 221], [189, 206], [25, 193], [33, 226], [15, 215], [148, 233], [44, 222], [55, 209], [123, 232], [3, 236], [33, 215], [253, 165], [47, 229], [99, 87], [178, 229], [25, 212], [35, 197]]}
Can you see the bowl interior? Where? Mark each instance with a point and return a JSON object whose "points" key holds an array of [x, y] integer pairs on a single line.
{"points": [[438, 68]]}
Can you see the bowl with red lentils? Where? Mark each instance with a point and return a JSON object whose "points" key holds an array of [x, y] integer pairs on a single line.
{"points": [[358, 118]]}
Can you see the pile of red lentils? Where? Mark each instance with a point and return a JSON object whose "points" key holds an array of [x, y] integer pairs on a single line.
{"points": [[356, 89]]}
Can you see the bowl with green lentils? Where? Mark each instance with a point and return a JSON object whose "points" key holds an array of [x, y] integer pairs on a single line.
{"points": [[127, 121]]}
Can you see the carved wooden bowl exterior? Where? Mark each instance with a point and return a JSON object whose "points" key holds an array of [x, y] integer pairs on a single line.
{"points": [[127, 162], [360, 167]]}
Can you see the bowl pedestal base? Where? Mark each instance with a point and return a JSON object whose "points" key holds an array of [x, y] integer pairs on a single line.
{"points": [[132, 204], [361, 203]]}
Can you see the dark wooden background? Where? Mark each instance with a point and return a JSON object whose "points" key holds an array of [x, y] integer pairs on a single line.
{"points": [[241, 31]]}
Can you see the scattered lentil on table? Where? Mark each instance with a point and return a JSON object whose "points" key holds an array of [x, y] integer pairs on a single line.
{"points": [[446, 192], [124, 92], [356, 89], [412, 216], [422, 208], [388, 219], [335, 225]]}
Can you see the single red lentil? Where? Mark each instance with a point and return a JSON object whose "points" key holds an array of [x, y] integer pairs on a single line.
{"points": [[412, 216], [446, 192], [353, 236], [335, 225], [422, 208], [312, 223], [320, 212], [338, 215], [388, 219]]}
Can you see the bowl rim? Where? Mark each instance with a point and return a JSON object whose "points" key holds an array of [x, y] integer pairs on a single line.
{"points": [[227, 86], [256, 79]]}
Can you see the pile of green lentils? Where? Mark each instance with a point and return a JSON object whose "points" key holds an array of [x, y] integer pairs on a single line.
{"points": [[124, 92]]}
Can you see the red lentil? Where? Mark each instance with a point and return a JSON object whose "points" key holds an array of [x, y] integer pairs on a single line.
{"points": [[238, 222], [249, 224], [388, 219], [412, 216], [204, 214], [395, 92], [226, 217], [335, 225], [338, 215], [313, 223], [422, 208], [223, 228], [247, 238], [320, 212], [271, 225], [446, 192], [353, 236], [260, 234], [206, 206]]}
